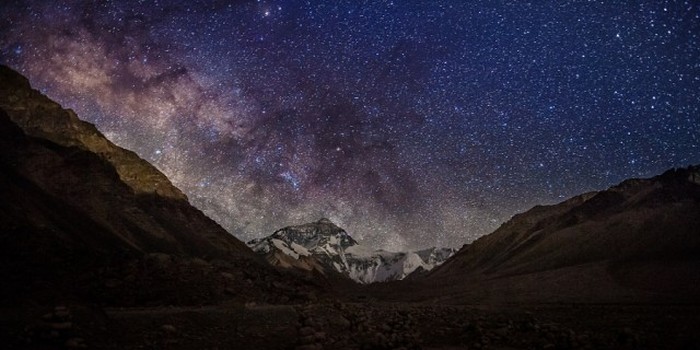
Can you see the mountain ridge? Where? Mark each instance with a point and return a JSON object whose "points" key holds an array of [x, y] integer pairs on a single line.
{"points": [[605, 246], [84, 218], [39, 116], [324, 248]]}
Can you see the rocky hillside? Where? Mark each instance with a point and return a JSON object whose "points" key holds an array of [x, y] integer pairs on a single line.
{"points": [[41, 117], [639, 240], [81, 217], [325, 248]]}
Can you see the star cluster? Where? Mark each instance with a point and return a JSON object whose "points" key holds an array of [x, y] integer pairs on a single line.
{"points": [[409, 123]]}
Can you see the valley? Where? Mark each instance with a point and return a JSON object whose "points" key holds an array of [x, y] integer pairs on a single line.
{"points": [[99, 250]]}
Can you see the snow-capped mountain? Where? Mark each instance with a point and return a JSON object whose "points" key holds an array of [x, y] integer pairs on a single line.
{"points": [[326, 248]]}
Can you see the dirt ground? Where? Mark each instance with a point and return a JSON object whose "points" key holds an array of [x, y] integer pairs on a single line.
{"points": [[370, 325]]}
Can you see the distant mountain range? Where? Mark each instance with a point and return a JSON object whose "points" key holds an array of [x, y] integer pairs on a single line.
{"points": [[327, 249]]}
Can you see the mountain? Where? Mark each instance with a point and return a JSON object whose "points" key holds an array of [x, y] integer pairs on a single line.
{"points": [[83, 218], [98, 249], [324, 248], [638, 241]]}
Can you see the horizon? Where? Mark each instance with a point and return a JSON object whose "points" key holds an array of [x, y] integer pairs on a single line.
{"points": [[408, 125]]}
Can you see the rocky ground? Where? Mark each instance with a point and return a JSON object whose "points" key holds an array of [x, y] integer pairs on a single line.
{"points": [[368, 325]]}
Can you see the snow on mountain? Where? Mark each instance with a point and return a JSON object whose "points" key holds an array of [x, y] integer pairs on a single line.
{"points": [[325, 247]]}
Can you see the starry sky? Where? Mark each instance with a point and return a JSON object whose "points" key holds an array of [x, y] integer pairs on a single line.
{"points": [[409, 123]]}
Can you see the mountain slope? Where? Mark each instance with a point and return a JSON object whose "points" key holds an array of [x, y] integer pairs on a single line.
{"points": [[156, 209], [325, 248], [81, 217], [40, 117], [639, 240]]}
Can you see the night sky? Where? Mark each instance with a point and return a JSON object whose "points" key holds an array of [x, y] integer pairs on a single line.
{"points": [[409, 123]]}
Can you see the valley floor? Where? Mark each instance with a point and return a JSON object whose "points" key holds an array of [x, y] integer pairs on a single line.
{"points": [[366, 325]]}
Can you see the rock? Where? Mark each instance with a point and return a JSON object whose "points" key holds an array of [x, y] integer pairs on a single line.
{"points": [[61, 312], [309, 339], [309, 347], [502, 332], [160, 261], [340, 322], [75, 343], [168, 328], [626, 336], [61, 326], [112, 283], [306, 331], [311, 322], [200, 263]]}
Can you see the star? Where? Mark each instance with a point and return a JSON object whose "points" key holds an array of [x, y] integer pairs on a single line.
{"points": [[411, 124]]}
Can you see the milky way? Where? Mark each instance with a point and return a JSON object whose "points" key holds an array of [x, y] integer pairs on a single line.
{"points": [[409, 123]]}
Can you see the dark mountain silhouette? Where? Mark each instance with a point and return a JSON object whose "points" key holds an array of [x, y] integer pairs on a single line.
{"points": [[84, 219], [638, 241]]}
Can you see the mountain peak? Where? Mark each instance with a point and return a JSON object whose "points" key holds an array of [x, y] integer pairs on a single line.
{"points": [[320, 233], [324, 247]]}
